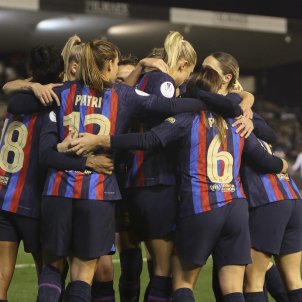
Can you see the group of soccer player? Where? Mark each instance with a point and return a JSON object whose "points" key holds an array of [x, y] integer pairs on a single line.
{"points": [[96, 148]]}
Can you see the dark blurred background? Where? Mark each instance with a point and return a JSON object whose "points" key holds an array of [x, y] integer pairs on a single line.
{"points": [[265, 37]]}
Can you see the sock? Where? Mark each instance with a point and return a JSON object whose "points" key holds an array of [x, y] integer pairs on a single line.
{"points": [[183, 295], [295, 295], [150, 268], [265, 292], [79, 291], [275, 285], [216, 286], [3, 300], [160, 289], [233, 297], [102, 291], [131, 268], [49, 284], [255, 297], [64, 276]]}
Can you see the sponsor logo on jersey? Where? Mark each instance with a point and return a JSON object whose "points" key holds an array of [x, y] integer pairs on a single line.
{"points": [[167, 89], [52, 116], [171, 120], [222, 188], [139, 92]]}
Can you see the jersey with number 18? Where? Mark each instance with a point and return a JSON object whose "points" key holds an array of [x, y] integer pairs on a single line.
{"points": [[21, 178]]}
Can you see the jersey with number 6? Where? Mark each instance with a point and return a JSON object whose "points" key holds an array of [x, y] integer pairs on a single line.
{"points": [[209, 169], [21, 178]]}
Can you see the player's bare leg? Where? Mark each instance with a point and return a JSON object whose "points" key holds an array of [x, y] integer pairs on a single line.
{"points": [[8, 257]]}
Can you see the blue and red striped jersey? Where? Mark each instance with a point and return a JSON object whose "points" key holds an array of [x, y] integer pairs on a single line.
{"points": [[263, 188], [209, 169], [152, 167], [109, 112], [21, 178]]}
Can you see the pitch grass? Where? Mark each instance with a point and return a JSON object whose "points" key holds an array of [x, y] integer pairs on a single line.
{"points": [[24, 284]]}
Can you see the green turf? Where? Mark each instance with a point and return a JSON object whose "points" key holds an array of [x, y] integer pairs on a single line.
{"points": [[24, 284]]}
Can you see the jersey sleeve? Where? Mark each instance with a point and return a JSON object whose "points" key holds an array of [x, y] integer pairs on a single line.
{"points": [[162, 85], [24, 103], [48, 154], [259, 158], [262, 130], [139, 102], [172, 129]]}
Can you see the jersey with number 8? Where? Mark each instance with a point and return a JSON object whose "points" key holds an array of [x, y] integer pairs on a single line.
{"points": [[21, 179]]}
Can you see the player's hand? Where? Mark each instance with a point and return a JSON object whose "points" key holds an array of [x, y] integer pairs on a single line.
{"points": [[65, 144], [285, 166], [154, 63], [84, 144], [244, 126], [45, 94], [101, 163], [246, 110]]}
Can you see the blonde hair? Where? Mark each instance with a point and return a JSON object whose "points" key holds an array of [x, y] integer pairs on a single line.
{"points": [[176, 48], [228, 65], [96, 54], [71, 52]]}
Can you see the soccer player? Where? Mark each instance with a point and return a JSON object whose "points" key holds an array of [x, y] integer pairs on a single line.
{"points": [[90, 105], [213, 212], [21, 176]]}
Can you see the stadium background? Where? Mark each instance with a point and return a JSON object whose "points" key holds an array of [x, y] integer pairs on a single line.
{"points": [[265, 37]]}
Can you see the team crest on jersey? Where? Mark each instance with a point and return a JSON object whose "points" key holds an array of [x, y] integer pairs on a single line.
{"points": [[52, 116], [222, 188], [167, 89], [283, 176], [139, 92], [171, 120], [4, 180]]}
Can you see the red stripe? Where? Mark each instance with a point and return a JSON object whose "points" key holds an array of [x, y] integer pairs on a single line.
{"points": [[57, 182], [292, 191], [239, 165], [23, 172], [113, 111], [143, 86], [78, 182], [275, 187], [224, 147], [100, 188], [202, 164], [140, 162], [69, 104]]}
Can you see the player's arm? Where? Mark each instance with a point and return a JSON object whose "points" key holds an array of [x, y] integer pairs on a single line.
{"points": [[24, 103], [44, 93], [263, 131], [172, 129], [50, 157], [134, 76], [258, 157], [139, 103]]}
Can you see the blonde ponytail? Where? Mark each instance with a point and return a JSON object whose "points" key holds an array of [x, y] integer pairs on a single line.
{"points": [[176, 48], [71, 52]]}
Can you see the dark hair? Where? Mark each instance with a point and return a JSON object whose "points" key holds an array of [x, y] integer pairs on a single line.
{"points": [[46, 64], [207, 79], [128, 60]]}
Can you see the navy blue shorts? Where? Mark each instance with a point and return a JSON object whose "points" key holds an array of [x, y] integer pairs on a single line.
{"points": [[14, 228], [153, 211], [223, 232], [83, 228], [122, 217], [276, 228]]}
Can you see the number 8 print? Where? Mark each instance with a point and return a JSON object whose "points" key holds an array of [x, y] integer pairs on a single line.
{"points": [[15, 147]]}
